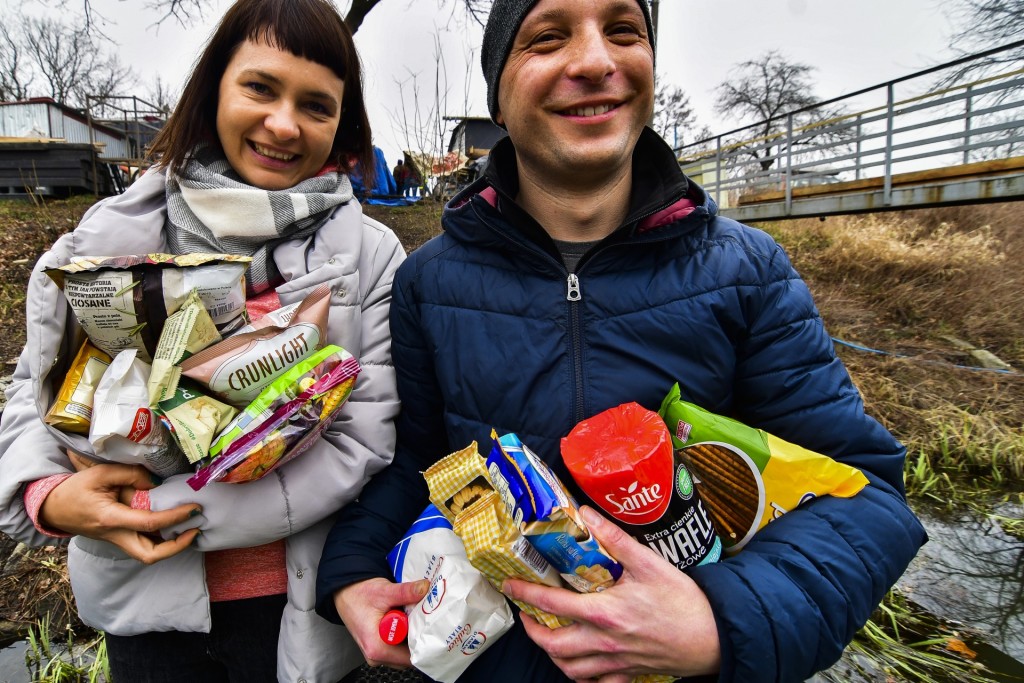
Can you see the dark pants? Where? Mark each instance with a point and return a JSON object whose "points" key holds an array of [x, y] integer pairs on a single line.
{"points": [[241, 647]]}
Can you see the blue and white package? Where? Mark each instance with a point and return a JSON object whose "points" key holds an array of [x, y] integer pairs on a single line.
{"points": [[461, 614], [548, 516]]}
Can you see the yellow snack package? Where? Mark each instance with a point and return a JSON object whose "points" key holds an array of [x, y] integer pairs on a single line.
{"points": [[498, 550], [457, 480], [747, 477], [72, 410], [462, 490]]}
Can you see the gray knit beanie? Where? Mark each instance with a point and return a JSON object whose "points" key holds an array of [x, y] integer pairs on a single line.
{"points": [[502, 25]]}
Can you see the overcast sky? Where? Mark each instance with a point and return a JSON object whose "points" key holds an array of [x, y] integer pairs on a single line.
{"points": [[851, 45]]}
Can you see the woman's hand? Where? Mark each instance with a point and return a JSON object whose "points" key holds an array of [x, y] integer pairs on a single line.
{"points": [[362, 605], [94, 502], [655, 619]]}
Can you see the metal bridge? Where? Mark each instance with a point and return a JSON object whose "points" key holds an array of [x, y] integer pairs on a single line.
{"points": [[923, 140]]}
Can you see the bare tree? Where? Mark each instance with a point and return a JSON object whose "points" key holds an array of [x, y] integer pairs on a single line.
{"points": [[674, 119], [46, 57], [72, 62], [764, 91], [163, 98], [14, 77], [765, 88], [59, 54], [420, 120], [989, 24], [186, 12]]}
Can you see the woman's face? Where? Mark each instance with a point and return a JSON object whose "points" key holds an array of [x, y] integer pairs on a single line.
{"points": [[277, 115]]}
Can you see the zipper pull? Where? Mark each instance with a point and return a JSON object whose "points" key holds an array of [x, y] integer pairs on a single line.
{"points": [[573, 294]]}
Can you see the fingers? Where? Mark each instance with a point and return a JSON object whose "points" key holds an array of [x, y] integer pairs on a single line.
{"points": [[614, 678], [582, 653], [560, 601], [149, 521], [409, 593], [146, 550], [79, 461], [627, 551], [567, 642], [361, 606], [135, 476]]}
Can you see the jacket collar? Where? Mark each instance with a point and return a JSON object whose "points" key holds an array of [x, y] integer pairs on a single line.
{"points": [[661, 196], [658, 182]]}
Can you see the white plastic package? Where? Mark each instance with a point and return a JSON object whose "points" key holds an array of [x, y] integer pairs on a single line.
{"points": [[124, 429], [461, 615]]}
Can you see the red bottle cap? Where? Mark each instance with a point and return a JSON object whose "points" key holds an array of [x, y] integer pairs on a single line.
{"points": [[394, 626]]}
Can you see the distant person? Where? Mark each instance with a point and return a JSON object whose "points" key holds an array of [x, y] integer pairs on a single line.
{"points": [[583, 271], [412, 181], [401, 174], [217, 585]]}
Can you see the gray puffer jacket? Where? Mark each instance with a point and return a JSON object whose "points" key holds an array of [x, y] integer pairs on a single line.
{"points": [[358, 257]]}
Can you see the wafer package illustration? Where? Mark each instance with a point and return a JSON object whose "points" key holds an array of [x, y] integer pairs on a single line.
{"points": [[748, 477], [622, 459]]}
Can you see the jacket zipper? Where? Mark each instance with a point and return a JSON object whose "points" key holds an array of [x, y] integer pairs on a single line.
{"points": [[573, 295]]}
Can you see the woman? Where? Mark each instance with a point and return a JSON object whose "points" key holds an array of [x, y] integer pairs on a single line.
{"points": [[218, 584]]}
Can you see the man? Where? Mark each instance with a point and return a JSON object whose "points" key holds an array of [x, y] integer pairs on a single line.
{"points": [[584, 271], [401, 174]]}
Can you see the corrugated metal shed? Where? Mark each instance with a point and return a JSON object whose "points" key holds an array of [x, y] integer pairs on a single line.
{"points": [[44, 118]]}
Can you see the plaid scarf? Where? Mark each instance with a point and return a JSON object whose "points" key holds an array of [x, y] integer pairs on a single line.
{"points": [[210, 209]]}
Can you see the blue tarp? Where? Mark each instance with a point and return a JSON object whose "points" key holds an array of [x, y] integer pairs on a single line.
{"points": [[385, 191]]}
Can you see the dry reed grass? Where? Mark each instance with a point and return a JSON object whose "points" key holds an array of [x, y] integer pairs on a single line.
{"points": [[904, 282]]}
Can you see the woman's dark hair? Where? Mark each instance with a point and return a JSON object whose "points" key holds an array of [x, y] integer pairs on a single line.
{"points": [[311, 29]]}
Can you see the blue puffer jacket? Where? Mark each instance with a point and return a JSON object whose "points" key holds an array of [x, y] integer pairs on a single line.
{"points": [[484, 336]]}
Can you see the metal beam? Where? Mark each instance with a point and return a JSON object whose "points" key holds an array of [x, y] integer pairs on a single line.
{"points": [[968, 191]]}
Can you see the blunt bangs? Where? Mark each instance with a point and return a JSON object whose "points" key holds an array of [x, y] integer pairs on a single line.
{"points": [[324, 40]]}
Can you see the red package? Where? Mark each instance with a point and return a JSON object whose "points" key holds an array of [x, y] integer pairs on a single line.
{"points": [[622, 458], [624, 461]]}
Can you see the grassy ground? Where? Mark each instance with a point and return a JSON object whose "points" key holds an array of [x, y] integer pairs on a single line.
{"points": [[916, 285]]}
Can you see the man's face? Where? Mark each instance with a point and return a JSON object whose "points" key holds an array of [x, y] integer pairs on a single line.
{"points": [[578, 87]]}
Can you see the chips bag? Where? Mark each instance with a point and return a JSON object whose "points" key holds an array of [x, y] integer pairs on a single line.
{"points": [[72, 410], [121, 302], [748, 477], [123, 428], [284, 420], [238, 368]]}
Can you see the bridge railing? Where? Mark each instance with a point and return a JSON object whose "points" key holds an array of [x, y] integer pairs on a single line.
{"points": [[874, 138]]}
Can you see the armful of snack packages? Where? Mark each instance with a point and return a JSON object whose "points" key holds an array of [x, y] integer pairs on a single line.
{"points": [[462, 614]]}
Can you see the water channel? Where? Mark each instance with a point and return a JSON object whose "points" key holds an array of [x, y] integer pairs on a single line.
{"points": [[971, 573]]}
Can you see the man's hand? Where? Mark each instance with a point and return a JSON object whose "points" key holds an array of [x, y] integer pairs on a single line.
{"points": [[361, 606], [655, 619], [93, 502]]}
